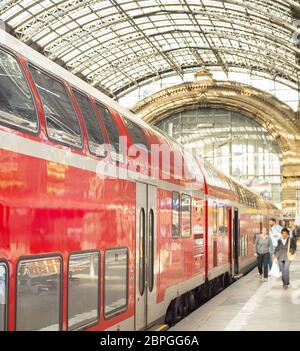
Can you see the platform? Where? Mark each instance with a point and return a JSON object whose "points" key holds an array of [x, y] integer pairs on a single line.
{"points": [[250, 305]]}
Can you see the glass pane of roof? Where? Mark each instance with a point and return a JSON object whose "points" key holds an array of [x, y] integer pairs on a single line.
{"points": [[89, 36]]}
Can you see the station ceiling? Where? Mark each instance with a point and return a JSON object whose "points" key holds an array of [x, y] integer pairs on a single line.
{"points": [[119, 44]]}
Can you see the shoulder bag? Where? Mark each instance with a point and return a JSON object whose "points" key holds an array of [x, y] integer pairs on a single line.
{"points": [[291, 257]]}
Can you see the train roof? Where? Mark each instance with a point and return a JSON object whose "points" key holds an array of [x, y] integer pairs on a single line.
{"points": [[220, 183]]}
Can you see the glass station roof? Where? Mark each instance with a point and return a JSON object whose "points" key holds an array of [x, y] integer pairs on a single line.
{"points": [[116, 45]]}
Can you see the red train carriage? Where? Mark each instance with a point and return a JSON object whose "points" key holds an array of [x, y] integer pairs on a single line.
{"points": [[88, 240]]}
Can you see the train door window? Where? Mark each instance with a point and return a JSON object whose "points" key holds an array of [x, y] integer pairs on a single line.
{"points": [[115, 282], [62, 122], [39, 294], [142, 251], [117, 153], [225, 220], [186, 203], [215, 217], [246, 245], [96, 139], [137, 134], [3, 296], [83, 290], [221, 223], [17, 107], [151, 250], [175, 214]]}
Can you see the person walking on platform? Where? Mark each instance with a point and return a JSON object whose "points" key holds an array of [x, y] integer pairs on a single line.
{"points": [[263, 247], [275, 232], [285, 252], [297, 232]]}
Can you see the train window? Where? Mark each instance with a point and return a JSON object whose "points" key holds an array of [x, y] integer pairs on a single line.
{"points": [[142, 251], [225, 220], [175, 214], [151, 250], [95, 135], [117, 153], [221, 223], [62, 122], [215, 217], [83, 290], [3, 296], [39, 294], [137, 134], [115, 282], [186, 204], [17, 107]]}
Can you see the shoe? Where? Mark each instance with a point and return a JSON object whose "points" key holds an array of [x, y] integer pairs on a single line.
{"points": [[265, 279], [285, 287], [261, 277]]}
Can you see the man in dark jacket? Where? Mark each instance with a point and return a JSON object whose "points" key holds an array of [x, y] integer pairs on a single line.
{"points": [[281, 253]]}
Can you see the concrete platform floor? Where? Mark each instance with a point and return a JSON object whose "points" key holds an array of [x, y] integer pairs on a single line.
{"points": [[249, 304]]}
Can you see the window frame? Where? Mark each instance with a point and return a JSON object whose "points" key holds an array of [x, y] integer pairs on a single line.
{"points": [[61, 81], [179, 216], [190, 213], [4, 263], [90, 324], [40, 257], [125, 308], [25, 75], [78, 91], [119, 157], [146, 147]]}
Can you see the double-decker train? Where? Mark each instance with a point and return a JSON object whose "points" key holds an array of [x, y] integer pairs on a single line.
{"points": [[93, 234]]}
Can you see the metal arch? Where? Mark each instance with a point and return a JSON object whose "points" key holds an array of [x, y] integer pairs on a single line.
{"points": [[262, 40], [69, 6], [120, 90], [266, 25], [54, 43], [207, 13], [123, 63], [190, 69], [270, 37], [260, 59]]}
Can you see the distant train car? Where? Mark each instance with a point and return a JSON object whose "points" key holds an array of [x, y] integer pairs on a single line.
{"points": [[93, 234]]}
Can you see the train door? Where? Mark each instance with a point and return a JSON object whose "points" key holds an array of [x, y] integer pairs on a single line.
{"points": [[236, 240], [145, 287]]}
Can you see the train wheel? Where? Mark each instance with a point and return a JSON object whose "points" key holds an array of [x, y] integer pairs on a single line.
{"points": [[200, 295], [219, 285], [227, 280], [179, 308], [185, 304], [210, 289], [191, 301], [174, 312]]}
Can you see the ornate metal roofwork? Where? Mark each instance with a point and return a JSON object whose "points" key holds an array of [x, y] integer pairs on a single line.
{"points": [[118, 44]]}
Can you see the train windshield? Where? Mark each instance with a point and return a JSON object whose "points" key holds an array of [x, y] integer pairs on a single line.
{"points": [[17, 106]]}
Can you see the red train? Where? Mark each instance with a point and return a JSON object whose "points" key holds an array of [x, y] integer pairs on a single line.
{"points": [[100, 238]]}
